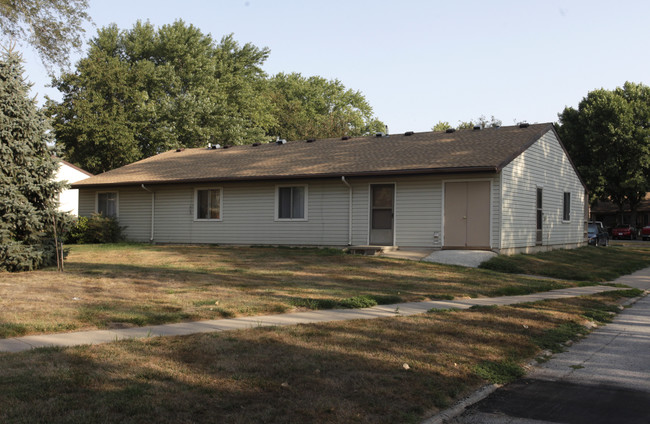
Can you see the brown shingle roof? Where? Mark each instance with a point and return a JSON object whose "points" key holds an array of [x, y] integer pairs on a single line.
{"points": [[487, 150]]}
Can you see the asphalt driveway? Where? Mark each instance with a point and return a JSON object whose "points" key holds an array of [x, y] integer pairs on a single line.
{"points": [[604, 378]]}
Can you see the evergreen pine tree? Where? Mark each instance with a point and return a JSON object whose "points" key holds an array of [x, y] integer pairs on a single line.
{"points": [[28, 191]]}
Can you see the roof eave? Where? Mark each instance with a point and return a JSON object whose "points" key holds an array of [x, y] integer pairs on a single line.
{"points": [[420, 171]]}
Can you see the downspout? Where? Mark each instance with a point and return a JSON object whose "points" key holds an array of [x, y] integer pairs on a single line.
{"points": [[153, 208], [349, 209]]}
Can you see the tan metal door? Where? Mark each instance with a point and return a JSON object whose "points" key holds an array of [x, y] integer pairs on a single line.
{"points": [[467, 214]]}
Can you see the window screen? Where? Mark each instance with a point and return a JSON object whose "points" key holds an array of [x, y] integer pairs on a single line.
{"points": [[208, 204], [291, 202], [107, 204]]}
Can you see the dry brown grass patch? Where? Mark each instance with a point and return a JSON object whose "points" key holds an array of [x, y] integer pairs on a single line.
{"points": [[105, 286]]}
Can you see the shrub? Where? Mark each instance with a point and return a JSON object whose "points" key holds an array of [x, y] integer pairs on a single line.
{"points": [[96, 229]]}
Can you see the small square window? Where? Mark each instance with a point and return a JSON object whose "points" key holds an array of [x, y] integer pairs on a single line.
{"points": [[107, 204], [291, 202], [208, 204]]}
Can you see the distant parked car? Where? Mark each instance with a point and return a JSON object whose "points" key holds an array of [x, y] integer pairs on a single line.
{"points": [[624, 231], [645, 232], [597, 234]]}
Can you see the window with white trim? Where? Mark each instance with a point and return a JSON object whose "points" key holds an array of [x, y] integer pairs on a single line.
{"points": [[107, 203], [291, 203], [207, 204], [566, 213]]}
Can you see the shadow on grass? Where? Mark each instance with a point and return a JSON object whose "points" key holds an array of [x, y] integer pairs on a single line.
{"points": [[583, 264], [259, 375]]}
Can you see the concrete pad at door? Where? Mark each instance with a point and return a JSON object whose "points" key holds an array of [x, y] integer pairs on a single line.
{"points": [[469, 258]]}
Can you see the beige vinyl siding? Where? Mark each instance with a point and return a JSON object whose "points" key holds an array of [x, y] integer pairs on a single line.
{"points": [[248, 212], [545, 165], [133, 209], [418, 208], [135, 213], [417, 211], [86, 202], [248, 215]]}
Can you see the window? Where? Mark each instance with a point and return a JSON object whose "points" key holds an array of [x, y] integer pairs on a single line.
{"points": [[208, 204], [291, 203], [566, 215], [107, 204]]}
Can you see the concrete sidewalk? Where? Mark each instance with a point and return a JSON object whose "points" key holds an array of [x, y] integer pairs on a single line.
{"points": [[19, 344]]}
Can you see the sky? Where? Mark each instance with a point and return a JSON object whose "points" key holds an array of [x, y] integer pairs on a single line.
{"points": [[421, 62]]}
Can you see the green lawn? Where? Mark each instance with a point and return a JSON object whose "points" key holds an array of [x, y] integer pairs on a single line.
{"points": [[116, 286], [593, 264], [348, 372]]}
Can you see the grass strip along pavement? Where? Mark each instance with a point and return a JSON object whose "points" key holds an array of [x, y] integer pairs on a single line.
{"points": [[399, 369], [128, 285], [386, 370]]}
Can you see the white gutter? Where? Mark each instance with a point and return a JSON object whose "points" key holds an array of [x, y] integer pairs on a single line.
{"points": [[153, 208], [349, 210]]}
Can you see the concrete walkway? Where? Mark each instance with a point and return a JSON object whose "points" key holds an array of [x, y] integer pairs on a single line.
{"points": [[19, 344], [602, 379]]}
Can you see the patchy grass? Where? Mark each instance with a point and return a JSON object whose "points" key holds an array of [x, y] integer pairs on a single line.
{"points": [[584, 264], [350, 372], [107, 286]]}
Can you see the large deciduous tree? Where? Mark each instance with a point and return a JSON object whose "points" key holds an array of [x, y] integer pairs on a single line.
{"points": [[147, 90], [28, 191], [52, 27], [319, 108], [608, 138]]}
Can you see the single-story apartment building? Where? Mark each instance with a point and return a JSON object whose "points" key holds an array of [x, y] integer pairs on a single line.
{"points": [[69, 197], [508, 189]]}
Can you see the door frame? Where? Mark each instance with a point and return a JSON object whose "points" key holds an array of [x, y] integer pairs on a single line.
{"points": [[394, 184], [442, 203]]}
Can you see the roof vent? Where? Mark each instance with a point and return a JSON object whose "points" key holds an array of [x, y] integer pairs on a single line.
{"points": [[407, 133], [311, 140], [450, 130], [345, 137], [256, 144], [226, 146], [524, 125], [179, 150], [380, 134], [477, 127]]}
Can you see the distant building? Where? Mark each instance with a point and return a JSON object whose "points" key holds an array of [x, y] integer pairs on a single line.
{"points": [[608, 213], [69, 198]]}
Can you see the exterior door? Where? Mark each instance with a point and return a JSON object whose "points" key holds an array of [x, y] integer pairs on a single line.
{"points": [[382, 200], [467, 215]]}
